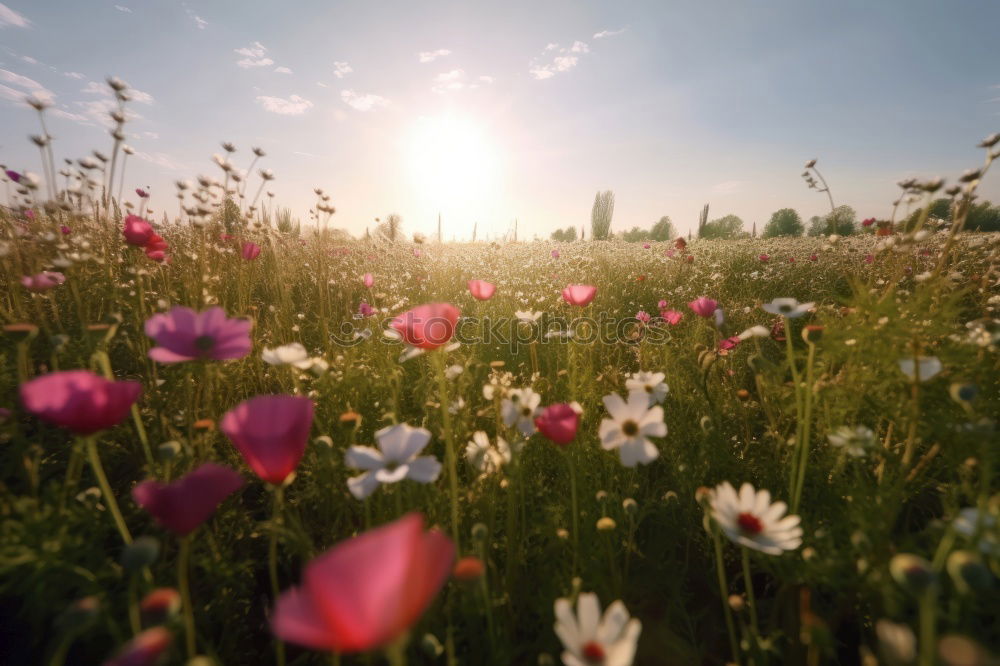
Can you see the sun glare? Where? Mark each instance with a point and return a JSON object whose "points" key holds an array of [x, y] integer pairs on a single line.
{"points": [[453, 165]]}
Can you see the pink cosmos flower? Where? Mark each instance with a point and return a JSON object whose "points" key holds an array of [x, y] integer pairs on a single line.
{"points": [[13, 175], [643, 316], [868, 222], [672, 317], [427, 326], [813, 257], [558, 423], [156, 248], [703, 306], [481, 290], [141, 193], [791, 260], [183, 505], [66, 231], [79, 400], [670, 254], [365, 310], [555, 254], [30, 214], [369, 280], [729, 343], [137, 231], [143, 650], [869, 258], [662, 304], [646, 246], [765, 258], [579, 294], [185, 335], [250, 251], [271, 432], [365, 592], [43, 281]]}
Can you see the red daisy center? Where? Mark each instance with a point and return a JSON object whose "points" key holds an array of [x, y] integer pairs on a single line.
{"points": [[750, 524], [593, 652]]}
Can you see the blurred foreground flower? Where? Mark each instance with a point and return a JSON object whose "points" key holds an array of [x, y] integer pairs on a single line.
{"points": [[787, 307], [481, 290], [183, 505], [143, 650], [185, 335], [591, 639], [270, 432], [43, 281], [367, 591], [703, 306], [921, 368], [559, 422], [79, 400]]}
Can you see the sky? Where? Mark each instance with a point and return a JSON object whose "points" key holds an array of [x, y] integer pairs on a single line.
{"points": [[487, 112]]}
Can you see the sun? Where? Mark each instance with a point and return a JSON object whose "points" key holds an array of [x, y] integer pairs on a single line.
{"points": [[453, 167]]}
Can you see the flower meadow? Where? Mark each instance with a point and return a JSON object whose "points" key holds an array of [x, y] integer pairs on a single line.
{"points": [[224, 443]]}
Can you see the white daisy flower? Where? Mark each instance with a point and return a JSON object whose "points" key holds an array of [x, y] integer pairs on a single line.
{"points": [[528, 316], [293, 354], [787, 307], [519, 408], [630, 425], [649, 383], [395, 459], [592, 640], [483, 456], [755, 332], [926, 366], [751, 520], [855, 441]]}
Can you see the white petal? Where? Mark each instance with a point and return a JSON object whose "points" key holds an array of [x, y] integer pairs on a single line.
{"points": [[364, 457], [424, 469], [362, 486]]}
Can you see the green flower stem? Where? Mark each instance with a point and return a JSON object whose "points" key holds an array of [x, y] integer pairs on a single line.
{"points": [[928, 629], [72, 475], [106, 492], [575, 507], [803, 446], [272, 563], [790, 351], [724, 595], [439, 363], [751, 598], [184, 583]]}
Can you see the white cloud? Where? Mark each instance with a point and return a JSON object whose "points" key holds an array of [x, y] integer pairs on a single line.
{"points": [[161, 160], [608, 33], [69, 115], [321, 84], [341, 69], [362, 101], [198, 21], [29, 60], [431, 56], [99, 111], [282, 70], [74, 75], [293, 106], [95, 88], [254, 55], [27, 87], [9, 17], [563, 61], [122, 8], [456, 80]]}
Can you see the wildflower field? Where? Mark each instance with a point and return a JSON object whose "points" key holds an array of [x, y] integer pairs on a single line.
{"points": [[225, 443]]}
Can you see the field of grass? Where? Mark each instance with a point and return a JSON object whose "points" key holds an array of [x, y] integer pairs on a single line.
{"points": [[899, 538]]}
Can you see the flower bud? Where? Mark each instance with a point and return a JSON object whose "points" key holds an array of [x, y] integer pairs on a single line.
{"points": [[160, 606], [606, 524], [468, 569], [480, 532], [169, 450], [968, 572], [141, 553], [431, 646], [630, 506], [911, 572]]}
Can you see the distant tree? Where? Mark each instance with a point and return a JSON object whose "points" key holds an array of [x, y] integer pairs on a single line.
{"points": [[982, 216], [566, 235], [702, 220], [817, 226], [662, 230], [634, 235], [390, 227], [784, 222], [729, 226], [843, 221], [601, 214]]}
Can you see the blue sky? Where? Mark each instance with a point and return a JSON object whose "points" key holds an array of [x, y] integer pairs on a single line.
{"points": [[491, 111]]}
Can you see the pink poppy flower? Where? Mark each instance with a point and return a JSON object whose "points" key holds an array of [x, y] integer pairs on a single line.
{"points": [[270, 432], [765, 258], [137, 231], [579, 294], [367, 591], [689, 258], [868, 222], [869, 258], [703, 306], [185, 335], [646, 246], [670, 254], [66, 231], [427, 326], [156, 248], [365, 310], [79, 400], [662, 304], [183, 505], [555, 254], [481, 290], [672, 317], [813, 257], [558, 423], [250, 251], [643, 316], [368, 280], [43, 281], [791, 260], [143, 650], [729, 343], [141, 193]]}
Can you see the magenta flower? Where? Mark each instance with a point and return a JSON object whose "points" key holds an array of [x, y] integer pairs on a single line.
{"points": [[137, 231], [481, 290], [66, 231], [764, 258], [646, 246], [365, 310], [703, 306], [79, 400], [186, 503], [141, 193], [271, 432], [143, 650], [643, 316], [558, 423], [662, 304], [43, 281], [13, 175], [729, 343], [427, 326], [669, 254], [368, 280], [672, 317], [185, 335], [555, 254], [250, 251], [813, 257], [579, 294], [367, 591], [869, 258]]}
